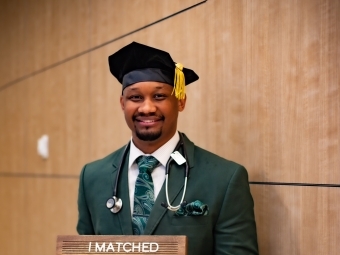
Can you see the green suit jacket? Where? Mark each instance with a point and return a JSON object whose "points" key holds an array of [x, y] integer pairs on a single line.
{"points": [[229, 227]]}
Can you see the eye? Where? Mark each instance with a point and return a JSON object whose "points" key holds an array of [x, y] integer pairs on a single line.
{"points": [[135, 98], [160, 96]]}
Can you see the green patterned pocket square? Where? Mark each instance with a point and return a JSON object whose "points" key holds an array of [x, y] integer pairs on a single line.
{"points": [[196, 208]]}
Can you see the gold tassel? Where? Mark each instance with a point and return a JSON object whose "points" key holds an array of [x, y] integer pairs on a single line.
{"points": [[179, 82]]}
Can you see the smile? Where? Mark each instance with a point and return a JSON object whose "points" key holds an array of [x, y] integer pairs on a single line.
{"points": [[147, 121]]}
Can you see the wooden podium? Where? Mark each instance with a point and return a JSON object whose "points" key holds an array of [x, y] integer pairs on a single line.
{"points": [[112, 244]]}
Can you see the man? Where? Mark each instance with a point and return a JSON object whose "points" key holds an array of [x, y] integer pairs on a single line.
{"points": [[213, 206]]}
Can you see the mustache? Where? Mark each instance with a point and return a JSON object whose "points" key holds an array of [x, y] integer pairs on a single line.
{"points": [[135, 116]]}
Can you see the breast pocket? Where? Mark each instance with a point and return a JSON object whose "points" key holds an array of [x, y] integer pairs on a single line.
{"points": [[189, 220]]}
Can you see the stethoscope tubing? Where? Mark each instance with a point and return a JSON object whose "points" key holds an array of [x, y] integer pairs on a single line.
{"points": [[170, 207], [126, 149], [115, 203]]}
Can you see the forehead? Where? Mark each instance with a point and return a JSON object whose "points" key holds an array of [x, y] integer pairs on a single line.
{"points": [[148, 85]]}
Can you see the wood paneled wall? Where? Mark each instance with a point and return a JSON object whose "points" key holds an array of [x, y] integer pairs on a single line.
{"points": [[268, 97]]}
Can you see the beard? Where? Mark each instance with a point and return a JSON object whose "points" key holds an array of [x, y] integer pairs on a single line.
{"points": [[147, 135]]}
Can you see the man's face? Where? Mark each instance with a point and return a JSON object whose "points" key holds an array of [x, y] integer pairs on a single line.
{"points": [[151, 111]]}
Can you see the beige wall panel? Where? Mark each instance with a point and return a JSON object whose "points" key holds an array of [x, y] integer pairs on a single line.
{"points": [[293, 91], [13, 104], [14, 217], [39, 33], [12, 39], [58, 105], [112, 19], [268, 108], [35, 211], [297, 220]]}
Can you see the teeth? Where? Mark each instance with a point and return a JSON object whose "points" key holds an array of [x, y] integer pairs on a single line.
{"points": [[148, 121]]}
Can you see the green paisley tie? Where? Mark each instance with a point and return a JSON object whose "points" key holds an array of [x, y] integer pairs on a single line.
{"points": [[144, 193]]}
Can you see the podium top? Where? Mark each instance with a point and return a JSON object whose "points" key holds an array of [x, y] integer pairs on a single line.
{"points": [[114, 244]]}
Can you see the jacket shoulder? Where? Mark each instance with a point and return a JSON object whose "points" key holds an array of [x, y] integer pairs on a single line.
{"points": [[210, 157], [106, 162], [202, 157]]}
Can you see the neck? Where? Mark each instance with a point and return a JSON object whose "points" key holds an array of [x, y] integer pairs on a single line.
{"points": [[147, 147]]}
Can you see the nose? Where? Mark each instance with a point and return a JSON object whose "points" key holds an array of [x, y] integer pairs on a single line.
{"points": [[147, 107]]}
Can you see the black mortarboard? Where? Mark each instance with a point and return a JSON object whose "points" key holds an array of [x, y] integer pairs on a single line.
{"points": [[137, 63]]}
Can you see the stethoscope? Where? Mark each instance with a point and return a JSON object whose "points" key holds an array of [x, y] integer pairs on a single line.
{"points": [[115, 203]]}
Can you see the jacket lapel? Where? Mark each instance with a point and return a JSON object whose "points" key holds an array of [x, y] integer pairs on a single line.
{"points": [[175, 187], [124, 215]]}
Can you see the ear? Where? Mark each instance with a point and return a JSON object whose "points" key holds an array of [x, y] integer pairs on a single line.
{"points": [[122, 103], [181, 103]]}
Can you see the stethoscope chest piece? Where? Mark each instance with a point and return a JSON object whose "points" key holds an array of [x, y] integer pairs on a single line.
{"points": [[114, 204]]}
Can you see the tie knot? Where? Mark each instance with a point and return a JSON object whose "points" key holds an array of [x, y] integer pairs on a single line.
{"points": [[146, 163]]}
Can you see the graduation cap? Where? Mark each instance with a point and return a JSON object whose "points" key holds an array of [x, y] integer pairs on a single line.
{"points": [[138, 62]]}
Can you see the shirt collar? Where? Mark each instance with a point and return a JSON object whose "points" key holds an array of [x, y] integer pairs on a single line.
{"points": [[162, 154]]}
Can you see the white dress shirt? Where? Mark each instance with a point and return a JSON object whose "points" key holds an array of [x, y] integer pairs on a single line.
{"points": [[158, 174]]}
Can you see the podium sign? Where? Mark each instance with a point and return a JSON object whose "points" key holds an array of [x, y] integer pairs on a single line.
{"points": [[112, 244]]}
